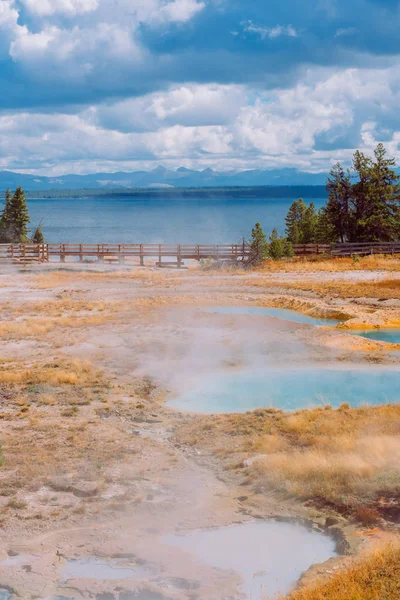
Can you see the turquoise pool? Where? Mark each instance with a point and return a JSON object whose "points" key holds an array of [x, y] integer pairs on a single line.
{"points": [[290, 389], [268, 311], [381, 335]]}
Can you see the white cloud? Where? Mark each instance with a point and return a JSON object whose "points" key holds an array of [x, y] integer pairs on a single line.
{"points": [[188, 105], [9, 27], [70, 55], [8, 14], [136, 11], [190, 125], [270, 32], [345, 32], [180, 10], [65, 7]]}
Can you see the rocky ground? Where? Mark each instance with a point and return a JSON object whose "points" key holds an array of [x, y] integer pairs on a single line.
{"points": [[93, 461]]}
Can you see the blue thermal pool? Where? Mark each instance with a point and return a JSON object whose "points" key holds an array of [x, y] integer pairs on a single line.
{"points": [[290, 389], [268, 311], [381, 335], [269, 557]]}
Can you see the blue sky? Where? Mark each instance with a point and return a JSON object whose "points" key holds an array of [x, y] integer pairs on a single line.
{"points": [[109, 85]]}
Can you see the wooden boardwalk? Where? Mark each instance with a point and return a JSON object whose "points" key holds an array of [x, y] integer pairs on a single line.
{"points": [[175, 254]]}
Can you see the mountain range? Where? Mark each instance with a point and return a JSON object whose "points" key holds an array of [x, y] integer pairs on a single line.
{"points": [[163, 178]]}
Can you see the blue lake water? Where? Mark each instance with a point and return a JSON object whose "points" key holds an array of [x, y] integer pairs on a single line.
{"points": [[268, 311], [157, 220], [270, 557], [290, 389]]}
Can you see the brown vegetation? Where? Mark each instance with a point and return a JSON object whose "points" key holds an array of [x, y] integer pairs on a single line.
{"points": [[386, 289], [327, 264], [346, 458], [373, 577]]}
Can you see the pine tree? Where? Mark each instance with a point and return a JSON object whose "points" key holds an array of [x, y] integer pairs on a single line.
{"points": [[325, 231], [338, 208], [379, 217], [294, 220], [309, 225], [258, 243], [38, 237], [18, 217], [279, 247], [5, 219]]}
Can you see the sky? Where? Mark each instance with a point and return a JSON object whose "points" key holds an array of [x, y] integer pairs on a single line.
{"points": [[121, 85]]}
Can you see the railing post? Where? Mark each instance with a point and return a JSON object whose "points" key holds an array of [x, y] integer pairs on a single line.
{"points": [[121, 257], [141, 256], [179, 256], [159, 255], [80, 253]]}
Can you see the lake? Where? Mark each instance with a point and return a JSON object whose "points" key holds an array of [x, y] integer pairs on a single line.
{"points": [[157, 220]]}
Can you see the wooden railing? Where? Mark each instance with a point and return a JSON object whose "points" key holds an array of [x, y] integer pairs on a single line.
{"points": [[118, 252], [348, 249], [178, 252]]}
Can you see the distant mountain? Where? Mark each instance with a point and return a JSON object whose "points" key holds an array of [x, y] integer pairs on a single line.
{"points": [[163, 178]]}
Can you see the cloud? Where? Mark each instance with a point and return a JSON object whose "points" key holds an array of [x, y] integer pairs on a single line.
{"points": [[345, 31], [270, 32], [189, 106], [322, 119], [108, 83], [180, 10], [65, 7]]}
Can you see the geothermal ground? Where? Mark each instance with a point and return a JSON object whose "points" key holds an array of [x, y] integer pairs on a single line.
{"points": [[104, 485]]}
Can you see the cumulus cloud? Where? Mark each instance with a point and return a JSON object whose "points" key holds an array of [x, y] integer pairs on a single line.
{"points": [[188, 105], [180, 10], [105, 83], [322, 119], [65, 7]]}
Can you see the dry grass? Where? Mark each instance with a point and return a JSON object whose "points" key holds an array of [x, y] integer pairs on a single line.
{"points": [[331, 265], [373, 577], [37, 327], [385, 289], [54, 279], [74, 372], [347, 458]]}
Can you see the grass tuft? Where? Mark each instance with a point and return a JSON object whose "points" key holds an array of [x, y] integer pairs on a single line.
{"points": [[374, 577]]}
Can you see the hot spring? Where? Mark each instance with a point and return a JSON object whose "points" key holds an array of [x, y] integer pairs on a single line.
{"points": [[269, 311], [391, 335], [270, 557], [294, 388]]}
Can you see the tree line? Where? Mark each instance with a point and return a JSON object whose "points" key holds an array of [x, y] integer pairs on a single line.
{"points": [[364, 210], [361, 207], [14, 221]]}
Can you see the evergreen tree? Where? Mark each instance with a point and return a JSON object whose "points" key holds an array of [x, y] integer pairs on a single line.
{"points": [[5, 219], [338, 208], [361, 197], [38, 237], [325, 231], [258, 243], [17, 218], [279, 247], [379, 210], [294, 220], [308, 233]]}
